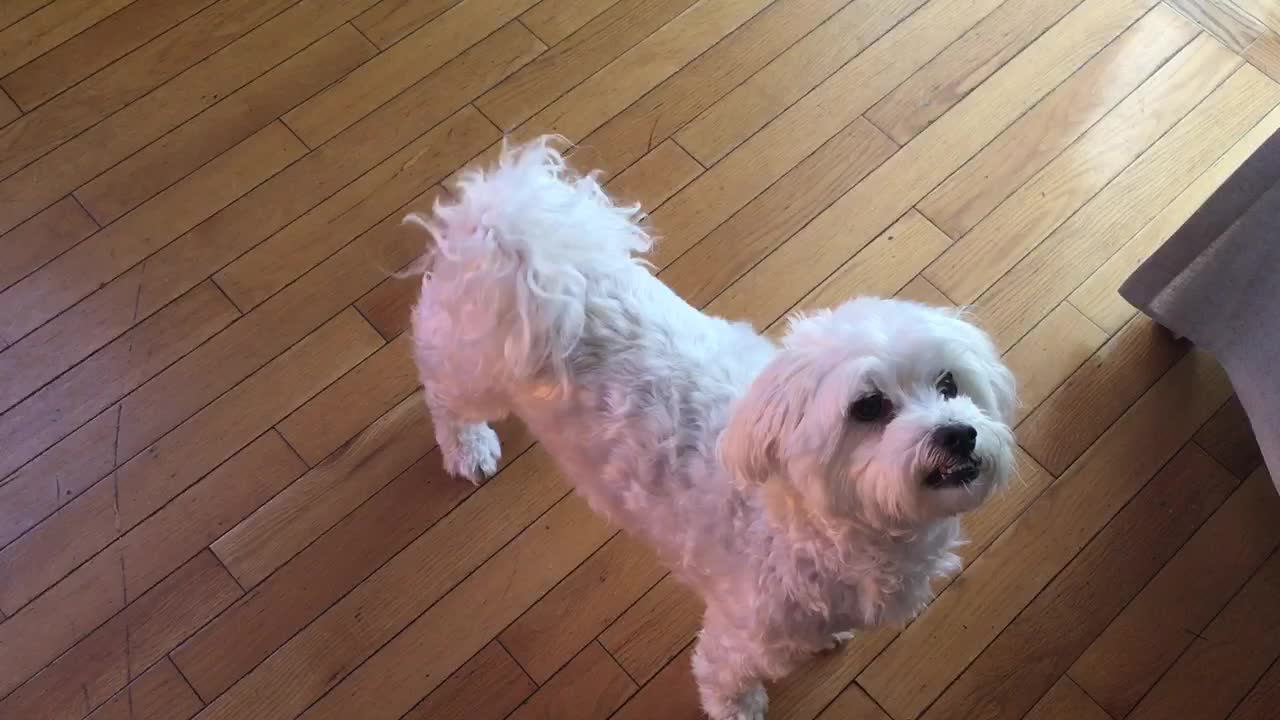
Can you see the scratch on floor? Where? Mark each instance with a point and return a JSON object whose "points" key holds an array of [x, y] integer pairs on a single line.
{"points": [[137, 303]]}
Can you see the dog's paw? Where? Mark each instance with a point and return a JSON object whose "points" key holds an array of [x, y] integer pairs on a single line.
{"points": [[752, 704], [839, 639], [475, 455]]}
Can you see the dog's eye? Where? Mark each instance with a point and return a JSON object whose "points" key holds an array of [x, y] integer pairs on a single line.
{"points": [[947, 386], [870, 408]]}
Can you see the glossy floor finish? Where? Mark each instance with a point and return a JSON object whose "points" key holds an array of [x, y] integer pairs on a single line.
{"points": [[220, 497]]}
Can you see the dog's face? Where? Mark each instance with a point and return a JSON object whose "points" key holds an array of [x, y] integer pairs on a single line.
{"points": [[881, 411]]}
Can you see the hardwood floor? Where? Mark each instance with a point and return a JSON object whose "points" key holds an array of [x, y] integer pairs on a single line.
{"points": [[220, 497]]}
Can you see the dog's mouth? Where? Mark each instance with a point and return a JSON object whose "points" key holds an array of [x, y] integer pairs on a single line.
{"points": [[958, 473]]}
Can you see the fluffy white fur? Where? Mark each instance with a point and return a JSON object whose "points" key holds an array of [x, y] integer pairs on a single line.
{"points": [[752, 468]]}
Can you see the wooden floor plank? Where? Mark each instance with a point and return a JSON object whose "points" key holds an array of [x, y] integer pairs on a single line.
{"points": [[387, 306], [9, 110], [389, 21], [1224, 20], [670, 695], [663, 111], [1054, 194], [124, 647], [1222, 665], [804, 66], [351, 404], [883, 196], [128, 79], [884, 266], [411, 665], [160, 693], [751, 233], [326, 651], [286, 524], [576, 58], [1057, 121], [12, 12], [1081, 245], [488, 687], [222, 126], [1043, 540], [590, 687], [654, 178], [399, 68], [1025, 660], [555, 20], [251, 342], [587, 602], [402, 156], [1264, 53], [42, 238], [301, 590], [1163, 620], [57, 409], [177, 101], [144, 556], [199, 252], [1099, 296], [577, 113], [1262, 10], [1229, 438], [954, 72], [274, 391], [801, 129], [89, 265], [1082, 408], [1066, 701], [324, 229], [57, 476], [138, 23], [654, 629], [853, 703], [146, 483], [209, 387], [1261, 702], [1049, 354], [49, 27]]}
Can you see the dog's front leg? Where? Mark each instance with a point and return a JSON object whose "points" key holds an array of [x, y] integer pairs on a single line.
{"points": [[723, 665], [469, 450]]}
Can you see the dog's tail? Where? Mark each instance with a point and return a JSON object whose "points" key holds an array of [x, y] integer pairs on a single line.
{"points": [[513, 258]]}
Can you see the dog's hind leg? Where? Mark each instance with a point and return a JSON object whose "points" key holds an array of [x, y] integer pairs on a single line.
{"points": [[727, 685]]}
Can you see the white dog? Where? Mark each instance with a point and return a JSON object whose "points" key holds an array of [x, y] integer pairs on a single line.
{"points": [[804, 490]]}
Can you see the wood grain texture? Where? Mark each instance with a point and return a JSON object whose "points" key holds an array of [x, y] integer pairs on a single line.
{"points": [[115, 36], [1140, 644], [889, 191], [220, 495], [1056, 122], [1019, 224]]}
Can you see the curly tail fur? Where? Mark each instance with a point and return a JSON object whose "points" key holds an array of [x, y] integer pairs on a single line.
{"points": [[513, 259]]}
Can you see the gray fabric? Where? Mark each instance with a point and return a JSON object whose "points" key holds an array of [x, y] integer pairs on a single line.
{"points": [[1217, 283]]}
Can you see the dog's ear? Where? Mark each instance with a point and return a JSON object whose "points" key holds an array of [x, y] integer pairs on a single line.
{"points": [[1005, 389], [765, 421]]}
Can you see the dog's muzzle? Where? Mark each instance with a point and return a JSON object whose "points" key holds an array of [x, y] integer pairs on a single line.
{"points": [[954, 462]]}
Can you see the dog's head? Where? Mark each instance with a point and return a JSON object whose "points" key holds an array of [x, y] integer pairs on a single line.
{"points": [[881, 411]]}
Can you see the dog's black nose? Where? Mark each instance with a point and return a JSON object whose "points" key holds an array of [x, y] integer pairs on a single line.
{"points": [[957, 439]]}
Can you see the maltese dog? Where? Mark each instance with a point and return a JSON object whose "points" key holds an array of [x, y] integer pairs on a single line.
{"points": [[803, 490]]}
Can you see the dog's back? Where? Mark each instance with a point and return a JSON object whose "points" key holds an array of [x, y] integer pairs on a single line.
{"points": [[537, 303]]}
